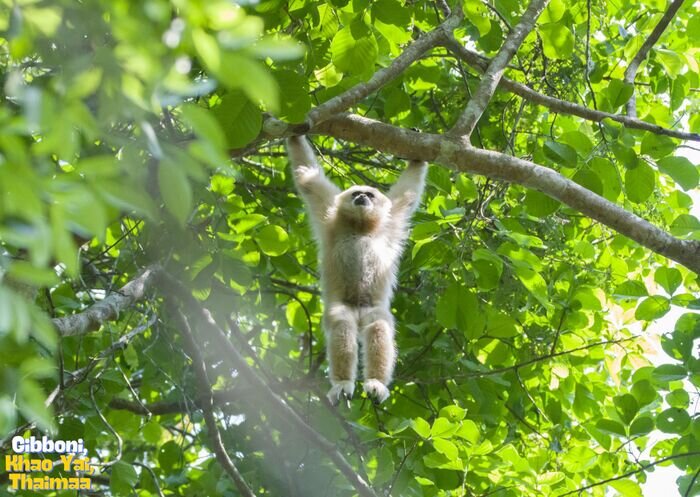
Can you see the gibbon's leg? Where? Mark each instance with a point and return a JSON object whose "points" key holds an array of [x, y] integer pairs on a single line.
{"points": [[379, 352], [341, 348]]}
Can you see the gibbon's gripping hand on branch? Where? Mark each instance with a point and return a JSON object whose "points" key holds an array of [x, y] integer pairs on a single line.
{"points": [[360, 233]]}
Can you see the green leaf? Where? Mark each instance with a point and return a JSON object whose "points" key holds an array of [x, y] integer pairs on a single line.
{"points": [[669, 372], [242, 73], [391, 12], [641, 426], [122, 478], [684, 225], [204, 125], [453, 413], [673, 420], [627, 488], [669, 278], [273, 240], [30, 401], [560, 153], [535, 284], [678, 398], [640, 182], [652, 308], [296, 102], [683, 172], [354, 48], [29, 274], [176, 190], [446, 447], [657, 146], [627, 407], [170, 456], [240, 119], [421, 427], [458, 308], [443, 428], [644, 392], [609, 177], [611, 426], [618, 93], [477, 14], [468, 431], [540, 205], [553, 12], [557, 39]]}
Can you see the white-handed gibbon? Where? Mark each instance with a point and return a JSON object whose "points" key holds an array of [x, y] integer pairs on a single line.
{"points": [[360, 234]]}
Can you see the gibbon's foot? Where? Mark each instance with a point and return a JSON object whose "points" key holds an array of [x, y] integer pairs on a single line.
{"points": [[344, 388], [376, 390]]}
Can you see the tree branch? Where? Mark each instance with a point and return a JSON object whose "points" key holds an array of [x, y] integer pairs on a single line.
{"points": [[207, 405], [493, 74], [462, 157], [220, 398], [644, 467], [107, 309], [656, 33], [276, 403], [530, 362], [480, 63], [410, 54]]}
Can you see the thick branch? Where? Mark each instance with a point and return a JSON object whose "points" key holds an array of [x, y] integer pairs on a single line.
{"points": [[465, 158], [107, 309], [480, 63], [380, 78], [207, 405], [493, 74], [277, 404], [656, 33]]}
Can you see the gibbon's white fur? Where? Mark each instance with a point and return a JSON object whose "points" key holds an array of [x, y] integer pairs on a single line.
{"points": [[360, 234]]}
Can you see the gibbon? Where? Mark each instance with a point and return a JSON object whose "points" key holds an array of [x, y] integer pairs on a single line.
{"points": [[360, 235]]}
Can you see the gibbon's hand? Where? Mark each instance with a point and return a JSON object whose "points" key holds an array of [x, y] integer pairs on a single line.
{"points": [[306, 174]]}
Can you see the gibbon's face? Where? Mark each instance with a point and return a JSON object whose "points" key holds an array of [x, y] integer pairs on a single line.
{"points": [[364, 205]]}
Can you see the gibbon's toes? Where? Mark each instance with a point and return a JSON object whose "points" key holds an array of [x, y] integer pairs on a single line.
{"points": [[340, 388], [376, 390]]}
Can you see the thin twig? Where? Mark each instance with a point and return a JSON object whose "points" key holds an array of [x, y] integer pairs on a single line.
{"points": [[629, 473], [492, 76], [631, 71], [207, 404], [277, 404]]}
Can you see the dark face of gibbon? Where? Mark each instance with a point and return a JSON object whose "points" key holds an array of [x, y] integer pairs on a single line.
{"points": [[363, 207]]}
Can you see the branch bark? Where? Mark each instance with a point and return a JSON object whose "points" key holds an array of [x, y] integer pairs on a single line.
{"points": [[462, 157], [107, 309], [479, 62], [631, 71], [492, 76]]}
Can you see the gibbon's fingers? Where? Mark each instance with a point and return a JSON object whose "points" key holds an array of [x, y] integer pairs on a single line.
{"points": [[375, 390], [341, 388]]}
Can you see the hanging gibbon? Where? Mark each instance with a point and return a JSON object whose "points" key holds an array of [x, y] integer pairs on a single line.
{"points": [[360, 234]]}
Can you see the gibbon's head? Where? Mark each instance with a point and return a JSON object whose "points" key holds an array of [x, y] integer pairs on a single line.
{"points": [[363, 207]]}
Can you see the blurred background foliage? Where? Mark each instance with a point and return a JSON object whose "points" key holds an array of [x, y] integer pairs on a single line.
{"points": [[532, 361]]}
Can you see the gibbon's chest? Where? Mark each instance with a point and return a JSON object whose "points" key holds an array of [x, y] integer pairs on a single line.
{"points": [[362, 259]]}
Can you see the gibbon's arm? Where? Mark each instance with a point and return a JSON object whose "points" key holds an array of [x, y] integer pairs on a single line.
{"points": [[406, 193], [316, 190]]}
